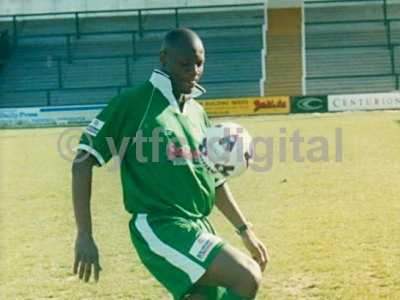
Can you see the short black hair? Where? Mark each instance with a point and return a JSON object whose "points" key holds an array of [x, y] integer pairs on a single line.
{"points": [[179, 37]]}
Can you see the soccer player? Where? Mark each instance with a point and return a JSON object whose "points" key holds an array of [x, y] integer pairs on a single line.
{"points": [[167, 187]]}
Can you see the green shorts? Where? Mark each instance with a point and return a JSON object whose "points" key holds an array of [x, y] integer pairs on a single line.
{"points": [[175, 250]]}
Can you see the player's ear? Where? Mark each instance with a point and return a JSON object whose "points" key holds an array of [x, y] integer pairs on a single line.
{"points": [[163, 58]]}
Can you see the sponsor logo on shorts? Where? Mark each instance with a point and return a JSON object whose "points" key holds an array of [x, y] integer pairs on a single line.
{"points": [[94, 127], [202, 247]]}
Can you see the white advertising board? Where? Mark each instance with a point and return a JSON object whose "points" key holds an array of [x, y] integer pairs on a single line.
{"points": [[364, 102], [45, 116]]}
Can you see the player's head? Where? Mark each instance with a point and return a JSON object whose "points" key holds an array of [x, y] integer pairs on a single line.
{"points": [[182, 58]]}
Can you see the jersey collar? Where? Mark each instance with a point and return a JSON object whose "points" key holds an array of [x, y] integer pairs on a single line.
{"points": [[161, 81]]}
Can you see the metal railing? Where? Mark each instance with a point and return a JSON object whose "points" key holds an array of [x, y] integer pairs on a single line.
{"points": [[78, 15], [127, 60], [396, 77], [133, 37]]}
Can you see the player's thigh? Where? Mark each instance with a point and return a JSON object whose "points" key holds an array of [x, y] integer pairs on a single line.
{"points": [[230, 267]]}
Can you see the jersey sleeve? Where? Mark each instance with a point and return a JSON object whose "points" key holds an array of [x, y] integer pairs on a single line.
{"points": [[103, 136]]}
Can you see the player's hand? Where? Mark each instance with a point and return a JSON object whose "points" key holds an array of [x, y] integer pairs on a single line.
{"points": [[86, 257], [256, 248]]}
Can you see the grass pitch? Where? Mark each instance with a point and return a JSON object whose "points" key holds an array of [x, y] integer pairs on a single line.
{"points": [[332, 227]]}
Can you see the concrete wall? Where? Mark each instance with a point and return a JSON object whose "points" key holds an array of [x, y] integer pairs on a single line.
{"points": [[44, 6], [284, 59], [9, 7], [284, 3]]}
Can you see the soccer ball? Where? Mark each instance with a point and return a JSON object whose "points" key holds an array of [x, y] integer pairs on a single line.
{"points": [[229, 147]]}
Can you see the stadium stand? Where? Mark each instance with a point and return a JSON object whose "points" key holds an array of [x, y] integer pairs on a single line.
{"points": [[54, 65], [4, 47], [361, 32], [88, 57]]}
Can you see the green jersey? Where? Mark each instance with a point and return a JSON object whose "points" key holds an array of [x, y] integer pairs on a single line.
{"points": [[163, 170]]}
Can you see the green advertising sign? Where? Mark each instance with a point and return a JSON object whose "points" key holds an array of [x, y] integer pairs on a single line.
{"points": [[308, 104]]}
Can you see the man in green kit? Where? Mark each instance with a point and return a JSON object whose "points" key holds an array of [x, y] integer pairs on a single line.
{"points": [[167, 186]]}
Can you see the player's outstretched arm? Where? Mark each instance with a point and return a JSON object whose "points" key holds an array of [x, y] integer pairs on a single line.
{"points": [[86, 252], [229, 208]]}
